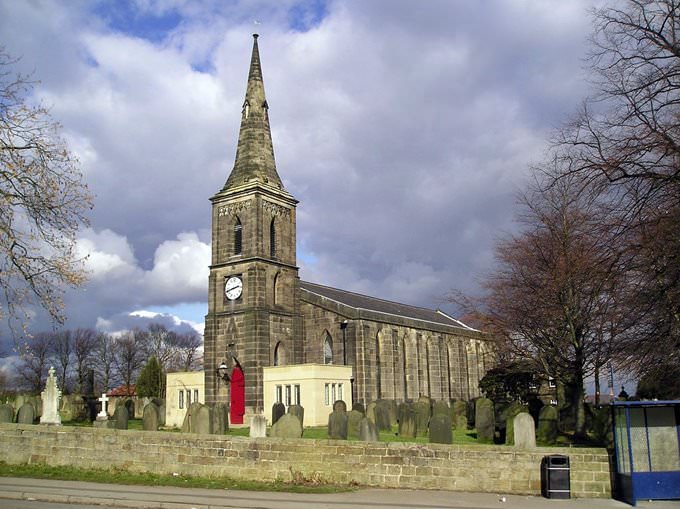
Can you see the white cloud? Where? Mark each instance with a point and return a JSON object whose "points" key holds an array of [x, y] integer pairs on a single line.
{"points": [[117, 281], [181, 268], [403, 132], [105, 252], [176, 321]]}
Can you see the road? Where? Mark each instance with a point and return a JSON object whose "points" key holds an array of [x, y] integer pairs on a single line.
{"points": [[20, 493]]}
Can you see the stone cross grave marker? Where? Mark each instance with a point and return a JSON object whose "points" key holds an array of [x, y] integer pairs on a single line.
{"points": [[103, 415], [50, 400]]}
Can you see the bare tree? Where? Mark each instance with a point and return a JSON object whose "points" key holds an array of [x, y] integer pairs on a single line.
{"points": [[34, 353], [84, 344], [43, 203], [552, 297], [189, 356], [61, 347], [626, 142], [157, 341], [106, 359], [128, 358]]}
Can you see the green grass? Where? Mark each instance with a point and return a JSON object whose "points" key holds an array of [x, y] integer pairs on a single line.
{"points": [[299, 484]]}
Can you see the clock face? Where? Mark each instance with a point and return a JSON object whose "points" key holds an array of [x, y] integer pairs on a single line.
{"points": [[233, 288]]}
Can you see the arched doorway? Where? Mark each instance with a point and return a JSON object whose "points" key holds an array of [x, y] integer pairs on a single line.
{"points": [[238, 396]]}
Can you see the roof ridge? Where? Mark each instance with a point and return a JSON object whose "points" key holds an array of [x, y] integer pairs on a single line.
{"points": [[374, 298]]}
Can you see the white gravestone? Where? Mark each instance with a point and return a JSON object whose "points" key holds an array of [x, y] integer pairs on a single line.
{"points": [[103, 415], [258, 426], [50, 401], [524, 430]]}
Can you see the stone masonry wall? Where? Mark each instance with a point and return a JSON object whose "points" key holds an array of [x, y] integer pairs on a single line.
{"points": [[494, 469]]}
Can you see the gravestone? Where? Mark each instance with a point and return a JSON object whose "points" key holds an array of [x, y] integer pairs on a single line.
{"points": [[220, 419], [524, 431], [510, 413], [547, 425], [392, 407], [150, 419], [408, 421], [422, 410], [368, 431], [535, 406], [441, 407], [258, 426], [484, 419], [288, 426], [26, 414], [6, 413], [138, 408], [340, 405], [88, 386], [161, 412], [130, 405], [203, 420], [278, 409], [103, 414], [299, 412], [359, 407], [73, 408], [440, 429], [337, 425], [370, 411], [471, 409], [189, 418], [50, 400], [459, 414], [35, 401], [353, 420], [382, 415], [121, 417]]}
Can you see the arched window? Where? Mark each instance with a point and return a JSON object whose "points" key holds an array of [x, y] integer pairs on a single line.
{"points": [[272, 239], [328, 349], [238, 237], [276, 288]]}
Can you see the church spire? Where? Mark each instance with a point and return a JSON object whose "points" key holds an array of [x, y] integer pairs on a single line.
{"points": [[255, 151]]}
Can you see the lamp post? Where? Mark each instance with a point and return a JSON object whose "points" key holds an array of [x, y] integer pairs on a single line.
{"points": [[223, 372]]}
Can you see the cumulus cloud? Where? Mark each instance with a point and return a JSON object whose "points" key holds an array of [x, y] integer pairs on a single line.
{"points": [[119, 286], [404, 132], [141, 318]]}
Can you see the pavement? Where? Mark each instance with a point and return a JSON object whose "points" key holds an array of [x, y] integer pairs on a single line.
{"points": [[159, 497]]}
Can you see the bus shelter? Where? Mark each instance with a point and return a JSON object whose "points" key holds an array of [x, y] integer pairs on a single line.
{"points": [[647, 447]]}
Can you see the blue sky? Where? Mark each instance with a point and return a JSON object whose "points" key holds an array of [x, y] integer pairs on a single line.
{"points": [[404, 128]]}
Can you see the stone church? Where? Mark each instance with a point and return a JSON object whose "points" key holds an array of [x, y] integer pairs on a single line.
{"points": [[260, 313]]}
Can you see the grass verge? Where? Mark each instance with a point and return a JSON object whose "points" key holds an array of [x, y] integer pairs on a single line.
{"points": [[299, 483]]}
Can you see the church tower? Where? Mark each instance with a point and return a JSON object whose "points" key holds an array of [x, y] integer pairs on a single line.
{"points": [[253, 318]]}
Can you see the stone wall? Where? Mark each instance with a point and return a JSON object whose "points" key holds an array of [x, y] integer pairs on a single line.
{"points": [[493, 469]]}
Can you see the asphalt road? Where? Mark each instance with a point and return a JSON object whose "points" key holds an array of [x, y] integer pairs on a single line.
{"points": [[20, 493]]}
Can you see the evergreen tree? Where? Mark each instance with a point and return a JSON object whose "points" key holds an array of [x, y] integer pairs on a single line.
{"points": [[150, 382]]}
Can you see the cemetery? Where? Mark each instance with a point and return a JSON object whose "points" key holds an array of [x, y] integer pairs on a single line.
{"points": [[305, 381], [421, 444]]}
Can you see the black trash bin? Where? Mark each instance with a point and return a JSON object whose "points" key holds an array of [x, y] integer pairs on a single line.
{"points": [[555, 476]]}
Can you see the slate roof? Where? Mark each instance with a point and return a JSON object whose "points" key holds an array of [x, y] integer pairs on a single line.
{"points": [[364, 302]]}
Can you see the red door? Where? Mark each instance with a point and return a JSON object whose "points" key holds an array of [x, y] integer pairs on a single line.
{"points": [[238, 396]]}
